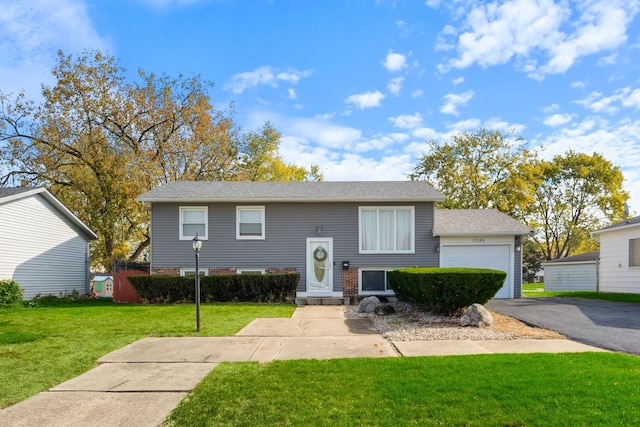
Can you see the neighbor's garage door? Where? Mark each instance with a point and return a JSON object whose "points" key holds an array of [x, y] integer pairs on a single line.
{"points": [[495, 257]]}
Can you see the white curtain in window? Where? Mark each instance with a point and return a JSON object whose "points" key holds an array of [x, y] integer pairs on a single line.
{"points": [[369, 232], [403, 230], [387, 232]]}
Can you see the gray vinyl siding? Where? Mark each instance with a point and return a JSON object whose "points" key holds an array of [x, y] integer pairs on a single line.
{"points": [[41, 249], [517, 270], [288, 225]]}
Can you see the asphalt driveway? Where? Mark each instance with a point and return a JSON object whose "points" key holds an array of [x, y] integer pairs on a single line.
{"points": [[606, 324]]}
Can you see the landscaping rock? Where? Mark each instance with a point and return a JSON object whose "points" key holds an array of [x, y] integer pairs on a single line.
{"points": [[384, 309], [476, 315], [368, 305]]}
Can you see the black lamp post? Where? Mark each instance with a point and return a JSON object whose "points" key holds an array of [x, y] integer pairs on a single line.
{"points": [[197, 245]]}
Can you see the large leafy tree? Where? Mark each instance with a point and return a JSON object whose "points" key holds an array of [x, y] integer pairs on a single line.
{"points": [[479, 169], [97, 142], [575, 193]]}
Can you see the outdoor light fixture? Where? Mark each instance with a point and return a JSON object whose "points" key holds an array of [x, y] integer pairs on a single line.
{"points": [[197, 245], [438, 247], [319, 229]]}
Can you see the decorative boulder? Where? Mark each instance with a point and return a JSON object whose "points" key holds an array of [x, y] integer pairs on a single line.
{"points": [[368, 305], [476, 315], [384, 309]]}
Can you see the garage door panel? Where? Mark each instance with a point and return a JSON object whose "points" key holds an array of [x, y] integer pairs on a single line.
{"points": [[496, 257]]}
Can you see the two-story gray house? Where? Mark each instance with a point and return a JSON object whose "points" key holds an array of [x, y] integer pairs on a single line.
{"points": [[342, 237]]}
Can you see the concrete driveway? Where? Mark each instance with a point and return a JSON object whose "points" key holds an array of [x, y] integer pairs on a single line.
{"points": [[606, 324]]}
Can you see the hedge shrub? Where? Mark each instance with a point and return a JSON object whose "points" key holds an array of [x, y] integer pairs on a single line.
{"points": [[10, 294], [446, 290], [160, 289]]}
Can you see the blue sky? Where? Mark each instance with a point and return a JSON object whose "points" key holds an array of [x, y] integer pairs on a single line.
{"points": [[357, 86]]}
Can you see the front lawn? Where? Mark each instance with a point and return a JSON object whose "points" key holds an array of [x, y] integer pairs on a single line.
{"points": [[44, 346], [634, 298], [483, 390]]}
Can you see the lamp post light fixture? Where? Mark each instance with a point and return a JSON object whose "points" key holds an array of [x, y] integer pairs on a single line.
{"points": [[197, 245]]}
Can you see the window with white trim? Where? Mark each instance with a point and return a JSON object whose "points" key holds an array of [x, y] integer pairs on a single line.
{"points": [[250, 222], [374, 281], [386, 230], [190, 272], [250, 271], [194, 220], [634, 252]]}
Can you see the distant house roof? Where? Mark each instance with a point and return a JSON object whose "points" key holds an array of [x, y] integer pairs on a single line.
{"points": [[9, 194], [329, 191], [474, 222], [585, 257], [631, 222]]}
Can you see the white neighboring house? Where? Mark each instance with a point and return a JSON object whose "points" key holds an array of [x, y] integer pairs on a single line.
{"points": [[620, 256], [572, 273], [44, 247]]}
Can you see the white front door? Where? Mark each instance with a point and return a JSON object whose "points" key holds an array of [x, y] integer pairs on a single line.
{"points": [[319, 265]]}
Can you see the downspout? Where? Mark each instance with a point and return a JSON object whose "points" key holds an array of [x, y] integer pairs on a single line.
{"points": [[593, 236]]}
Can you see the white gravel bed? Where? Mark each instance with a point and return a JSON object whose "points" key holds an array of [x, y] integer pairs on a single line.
{"points": [[409, 323]]}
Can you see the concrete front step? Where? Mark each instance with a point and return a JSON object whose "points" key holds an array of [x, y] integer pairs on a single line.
{"points": [[323, 300]]}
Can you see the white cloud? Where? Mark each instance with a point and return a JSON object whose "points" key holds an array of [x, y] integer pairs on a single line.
{"points": [[407, 121], [395, 85], [625, 97], [292, 93], [551, 108], [558, 119], [394, 62], [366, 100], [453, 101], [544, 34], [416, 93], [458, 81], [32, 32], [264, 76]]}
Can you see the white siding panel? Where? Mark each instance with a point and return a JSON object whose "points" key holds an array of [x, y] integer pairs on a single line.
{"points": [[615, 273], [570, 276], [41, 249]]}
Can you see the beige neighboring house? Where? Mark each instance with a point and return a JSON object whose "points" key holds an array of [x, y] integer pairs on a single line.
{"points": [[620, 256], [44, 246]]}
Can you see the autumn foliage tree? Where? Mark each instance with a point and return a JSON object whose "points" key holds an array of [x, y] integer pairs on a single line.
{"points": [[98, 141], [563, 199]]}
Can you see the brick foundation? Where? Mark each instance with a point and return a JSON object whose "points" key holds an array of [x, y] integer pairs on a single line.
{"points": [[173, 271], [350, 283]]}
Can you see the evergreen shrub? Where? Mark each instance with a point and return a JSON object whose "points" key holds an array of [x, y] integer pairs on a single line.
{"points": [[446, 290], [161, 289]]}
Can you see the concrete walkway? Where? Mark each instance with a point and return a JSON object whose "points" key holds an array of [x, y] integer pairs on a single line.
{"points": [[140, 384]]}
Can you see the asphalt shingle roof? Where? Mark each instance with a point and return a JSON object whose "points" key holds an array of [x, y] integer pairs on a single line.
{"points": [[326, 191], [628, 223], [469, 222], [12, 191], [588, 256]]}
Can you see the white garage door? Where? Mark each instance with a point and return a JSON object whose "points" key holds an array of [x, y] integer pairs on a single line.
{"points": [[494, 257]]}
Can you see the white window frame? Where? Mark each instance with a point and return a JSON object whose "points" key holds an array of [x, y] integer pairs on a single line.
{"points": [[387, 208], [262, 216], [385, 292], [251, 270], [203, 271], [206, 222]]}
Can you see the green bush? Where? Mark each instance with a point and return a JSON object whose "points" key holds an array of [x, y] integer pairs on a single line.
{"points": [[160, 289], [446, 290], [63, 299], [10, 294]]}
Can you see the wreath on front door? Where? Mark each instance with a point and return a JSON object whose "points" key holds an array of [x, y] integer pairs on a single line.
{"points": [[320, 254]]}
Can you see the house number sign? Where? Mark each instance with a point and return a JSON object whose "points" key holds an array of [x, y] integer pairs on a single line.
{"points": [[477, 240]]}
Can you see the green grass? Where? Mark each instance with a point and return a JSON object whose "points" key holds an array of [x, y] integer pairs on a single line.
{"points": [[484, 390], [533, 286], [634, 298], [44, 346]]}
